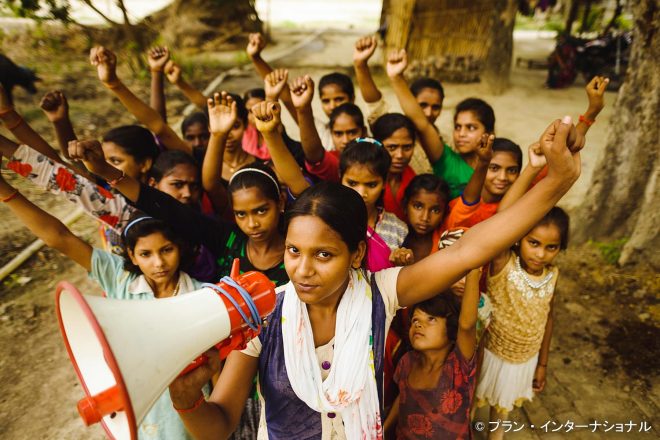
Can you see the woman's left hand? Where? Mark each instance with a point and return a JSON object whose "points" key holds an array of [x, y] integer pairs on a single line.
{"points": [[538, 384]]}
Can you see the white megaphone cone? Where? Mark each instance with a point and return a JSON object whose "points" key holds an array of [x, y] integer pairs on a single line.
{"points": [[126, 353]]}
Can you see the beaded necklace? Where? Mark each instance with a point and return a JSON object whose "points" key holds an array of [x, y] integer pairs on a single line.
{"points": [[528, 287]]}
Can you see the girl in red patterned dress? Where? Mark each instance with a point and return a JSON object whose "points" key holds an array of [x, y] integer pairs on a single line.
{"points": [[437, 378]]}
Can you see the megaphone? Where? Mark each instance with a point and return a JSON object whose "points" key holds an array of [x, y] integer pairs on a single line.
{"points": [[126, 353]]}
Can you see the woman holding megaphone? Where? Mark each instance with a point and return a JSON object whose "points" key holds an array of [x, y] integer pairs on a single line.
{"points": [[319, 357], [150, 269]]}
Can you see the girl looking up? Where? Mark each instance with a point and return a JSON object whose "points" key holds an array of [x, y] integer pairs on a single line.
{"points": [[436, 379], [319, 359], [150, 269]]}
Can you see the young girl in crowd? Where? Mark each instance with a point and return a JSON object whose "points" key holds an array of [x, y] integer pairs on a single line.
{"points": [[521, 286], [150, 269], [436, 379], [498, 166], [428, 93], [472, 119], [363, 166], [319, 358], [346, 124], [334, 89], [426, 201], [195, 131], [394, 131], [253, 143], [256, 202]]}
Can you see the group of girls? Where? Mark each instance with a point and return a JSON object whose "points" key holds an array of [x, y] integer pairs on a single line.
{"points": [[375, 329]]}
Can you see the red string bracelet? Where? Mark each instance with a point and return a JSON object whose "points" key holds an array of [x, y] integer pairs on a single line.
{"points": [[586, 120], [114, 182], [15, 124], [192, 408], [11, 197], [6, 112]]}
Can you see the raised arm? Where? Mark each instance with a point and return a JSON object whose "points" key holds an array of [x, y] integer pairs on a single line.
{"points": [[45, 226], [173, 73], [267, 118], [23, 132], [472, 192], [157, 57], [484, 241], [302, 92], [191, 224], [431, 141], [364, 49], [222, 117], [56, 109], [466, 337], [105, 62], [536, 163], [595, 94], [256, 44]]}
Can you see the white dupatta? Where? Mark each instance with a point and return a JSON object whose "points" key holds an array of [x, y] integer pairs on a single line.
{"points": [[350, 388]]}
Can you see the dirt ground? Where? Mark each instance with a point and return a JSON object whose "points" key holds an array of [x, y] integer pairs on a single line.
{"points": [[604, 358]]}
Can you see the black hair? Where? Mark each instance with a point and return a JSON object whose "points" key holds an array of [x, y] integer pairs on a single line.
{"points": [[506, 145], [330, 202], [391, 122], [192, 119], [427, 83], [444, 305], [167, 160], [340, 80], [241, 110], [147, 227], [430, 183], [247, 179], [349, 109], [366, 153], [558, 217], [258, 93], [481, 109], [136, 141]]}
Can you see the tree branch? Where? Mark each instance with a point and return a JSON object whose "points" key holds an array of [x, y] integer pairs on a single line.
{"points": [[95, 9]]}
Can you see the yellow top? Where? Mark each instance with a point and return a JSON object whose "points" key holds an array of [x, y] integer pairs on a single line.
{"points": [[520, 311]]}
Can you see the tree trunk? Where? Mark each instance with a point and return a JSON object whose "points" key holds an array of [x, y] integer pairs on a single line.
{"points": [[572, 15], [206, 24], [623, 199], [498, 61]]}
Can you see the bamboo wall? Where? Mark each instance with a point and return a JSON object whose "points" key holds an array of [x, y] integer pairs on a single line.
{"points": [[446, 38]]}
